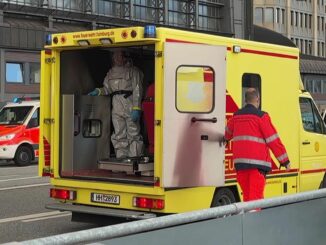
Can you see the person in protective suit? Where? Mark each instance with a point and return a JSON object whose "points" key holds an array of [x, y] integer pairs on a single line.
{"points": [[124, 83]]}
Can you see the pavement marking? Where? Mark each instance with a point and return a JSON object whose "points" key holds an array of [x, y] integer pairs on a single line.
{"points": [[30, 216], [63, 214], [21, 167], [22, 186], [12, 175], [32, 177]]}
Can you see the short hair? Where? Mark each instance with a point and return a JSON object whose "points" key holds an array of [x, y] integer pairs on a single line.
{"points": [[251, 94]]}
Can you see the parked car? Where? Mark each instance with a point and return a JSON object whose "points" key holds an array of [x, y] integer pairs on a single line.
{"points": [[19, 131]]}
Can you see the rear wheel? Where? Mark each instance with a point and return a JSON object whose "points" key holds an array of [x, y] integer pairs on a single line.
{"points": [[223, 196], [23, 156]]}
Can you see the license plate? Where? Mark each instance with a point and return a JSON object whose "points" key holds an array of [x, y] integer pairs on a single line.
{"points": [[105, 198]]}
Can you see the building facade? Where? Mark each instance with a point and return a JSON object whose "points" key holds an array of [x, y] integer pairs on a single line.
{"points": [[303, 22], [25, 23]]}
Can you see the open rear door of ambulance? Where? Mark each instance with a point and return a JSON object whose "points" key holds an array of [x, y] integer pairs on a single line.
{"points": [[194, 114], [46, 119]]}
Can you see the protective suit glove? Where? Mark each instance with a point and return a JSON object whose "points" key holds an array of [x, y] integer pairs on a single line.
{"points": [[135, 115], [95, 92]]}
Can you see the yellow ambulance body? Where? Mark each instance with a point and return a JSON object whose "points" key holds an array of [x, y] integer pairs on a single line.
{"points": [[200, 81]]}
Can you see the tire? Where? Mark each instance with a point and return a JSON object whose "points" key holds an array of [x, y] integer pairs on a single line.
{"points": [[223, 196], [23, 156]]}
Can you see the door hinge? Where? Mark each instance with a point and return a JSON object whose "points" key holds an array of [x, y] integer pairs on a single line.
{"points": [[158, 54], [48, 120], [47, 171], [50, 60]]}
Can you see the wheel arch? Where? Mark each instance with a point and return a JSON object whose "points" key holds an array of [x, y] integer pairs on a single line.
{"points": [[234, 188], [323, 182]]}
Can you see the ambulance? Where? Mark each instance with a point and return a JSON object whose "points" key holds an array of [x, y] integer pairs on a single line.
{"points": [[193, 83], [19, 131]]}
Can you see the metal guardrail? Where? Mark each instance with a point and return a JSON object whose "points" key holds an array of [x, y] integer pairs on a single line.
{"points": [[110, 232]]}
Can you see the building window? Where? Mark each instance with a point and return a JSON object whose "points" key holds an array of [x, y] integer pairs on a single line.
{"points": [[34, 73], [301, 19], [269, 15], [14, 72], [317, 86], [110, 8], [259, 15], [306, 20], [177, 13], [195, 89], [278, 15], [145, 10], [292, 18], [283, 16], [322, 23], [208, 16], [310, 47], [71, 5], [308, 85], [323, 82]]}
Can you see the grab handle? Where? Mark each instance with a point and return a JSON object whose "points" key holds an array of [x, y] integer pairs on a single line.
{"points": [[212, 120], [76, 123]]}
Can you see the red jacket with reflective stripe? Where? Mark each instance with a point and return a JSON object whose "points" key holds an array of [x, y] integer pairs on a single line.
{"points": [[253, 135]]}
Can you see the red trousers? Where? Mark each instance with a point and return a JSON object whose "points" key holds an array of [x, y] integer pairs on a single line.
{"points": [[252, 183]]}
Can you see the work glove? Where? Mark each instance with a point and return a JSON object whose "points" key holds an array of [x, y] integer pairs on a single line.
{"points": [[135, 115], [286, 165], [95, 92], [222, 141]]}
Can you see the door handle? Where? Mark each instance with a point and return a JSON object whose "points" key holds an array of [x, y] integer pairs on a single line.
{"points": [[76, 123], [306, 142], [212, 120]]}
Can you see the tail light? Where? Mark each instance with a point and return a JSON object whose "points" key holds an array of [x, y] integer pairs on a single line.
{"points": [[63, 194], [149, 203]]}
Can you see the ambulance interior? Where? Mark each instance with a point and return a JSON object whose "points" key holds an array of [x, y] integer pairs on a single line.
{"points": [[86, 126]]}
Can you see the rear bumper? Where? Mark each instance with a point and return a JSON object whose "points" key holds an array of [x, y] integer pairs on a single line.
{"points": [[111, 212]]}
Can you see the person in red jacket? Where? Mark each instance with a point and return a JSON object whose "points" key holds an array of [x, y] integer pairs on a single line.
{"points": [[253, 134]]}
